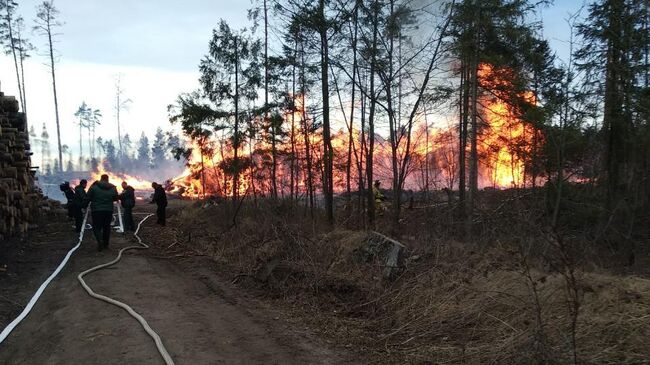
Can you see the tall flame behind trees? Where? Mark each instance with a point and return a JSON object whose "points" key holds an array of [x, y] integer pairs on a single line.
{"points": [[505, 141], [238, 152], [505, 144]]}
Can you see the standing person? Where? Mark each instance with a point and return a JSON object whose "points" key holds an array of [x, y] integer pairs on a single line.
{"points": [[160, 198], [79, 203], [379, 197], [101, 195], [376, 191], [127, 198], [69, 196]]}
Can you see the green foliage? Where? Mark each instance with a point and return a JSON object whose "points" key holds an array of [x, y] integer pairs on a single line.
{"points": [[614, 58], [230, 78]]}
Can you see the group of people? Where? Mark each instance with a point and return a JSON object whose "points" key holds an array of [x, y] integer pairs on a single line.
{"points": [[100, 196]]}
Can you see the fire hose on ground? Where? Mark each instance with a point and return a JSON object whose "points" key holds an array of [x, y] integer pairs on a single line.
{"points": [[159, 345], [28, 308], [134, 314]]}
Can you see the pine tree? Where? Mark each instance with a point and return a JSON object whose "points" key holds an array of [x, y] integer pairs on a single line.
{"points": [[126, 161], [111, 154], [24, 48], [144, 157], [614, 57], [11, 38], [495, 33], [46, 24], [82, 115], [230, 76], [158, 156]]}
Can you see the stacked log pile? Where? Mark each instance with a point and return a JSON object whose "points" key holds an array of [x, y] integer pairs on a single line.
{"points": [[20, 200]]}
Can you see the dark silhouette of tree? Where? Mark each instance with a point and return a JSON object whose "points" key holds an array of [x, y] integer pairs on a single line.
{"points": [[614, 57], [111, 154], [144, 156], [158, 149]]}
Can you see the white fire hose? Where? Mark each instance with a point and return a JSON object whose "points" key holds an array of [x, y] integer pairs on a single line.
{"points": [[28, 308], [161, 348], [134, 314]]}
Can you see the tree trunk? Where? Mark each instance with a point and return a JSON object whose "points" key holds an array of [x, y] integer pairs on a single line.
{"points": [[22, 80], [12, 45], [646, 31], [305, 128], [81, 156], [274, 153], [89, 143], [328, 155], [392, 126], [462, 135], [362, 151], [352, 107], [235, 176], [292, 189], [371, 119], [426, 156], [118, 108], [56, 101], [473, 163]]}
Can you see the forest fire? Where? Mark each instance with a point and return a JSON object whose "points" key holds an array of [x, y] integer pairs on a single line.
{"points": [[117, 178], [504, 141], [192, 182]]}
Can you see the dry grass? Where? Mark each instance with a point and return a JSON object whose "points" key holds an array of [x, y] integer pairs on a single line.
{"points": [[451, 305]]}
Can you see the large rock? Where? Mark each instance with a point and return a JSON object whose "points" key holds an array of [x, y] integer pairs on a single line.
{"points": [[388, 251]]}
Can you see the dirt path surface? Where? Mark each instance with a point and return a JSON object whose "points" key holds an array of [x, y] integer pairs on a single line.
{"points": [[25, 262], [200, 318]]}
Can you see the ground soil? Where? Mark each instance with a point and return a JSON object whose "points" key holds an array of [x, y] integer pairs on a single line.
{"points": [[201, 318], [25, 262]]}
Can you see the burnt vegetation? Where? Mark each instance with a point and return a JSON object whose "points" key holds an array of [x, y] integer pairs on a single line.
{"points": [[511, 224], [522, 221]]}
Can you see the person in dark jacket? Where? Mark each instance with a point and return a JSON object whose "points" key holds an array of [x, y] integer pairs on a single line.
{"points": [[101, 196], [79, 203], [160, 199], [127, 198], [69, 196]]}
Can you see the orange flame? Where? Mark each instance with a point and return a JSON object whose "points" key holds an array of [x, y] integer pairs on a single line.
{"points": [[117, 178], [506, 139], [504, 142]]}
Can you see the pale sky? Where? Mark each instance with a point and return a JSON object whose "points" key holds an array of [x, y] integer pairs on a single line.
{"points": [[155, 45]]}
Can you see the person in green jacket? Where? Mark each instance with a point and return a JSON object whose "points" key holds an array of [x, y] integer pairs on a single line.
{"points": [[79, 203], [101, 196], [127, 198]]}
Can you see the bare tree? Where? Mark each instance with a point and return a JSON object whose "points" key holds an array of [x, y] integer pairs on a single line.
{"points": [[328, 153], [46, 24], [8, 39], [120, 104], [81, 115], [24, 47], [371, 115]]}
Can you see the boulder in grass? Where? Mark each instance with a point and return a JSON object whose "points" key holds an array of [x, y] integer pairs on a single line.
{"points": [[388, 251]]}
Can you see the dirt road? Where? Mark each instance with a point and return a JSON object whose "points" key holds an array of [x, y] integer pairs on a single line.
{"points": [[201, 319]]}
